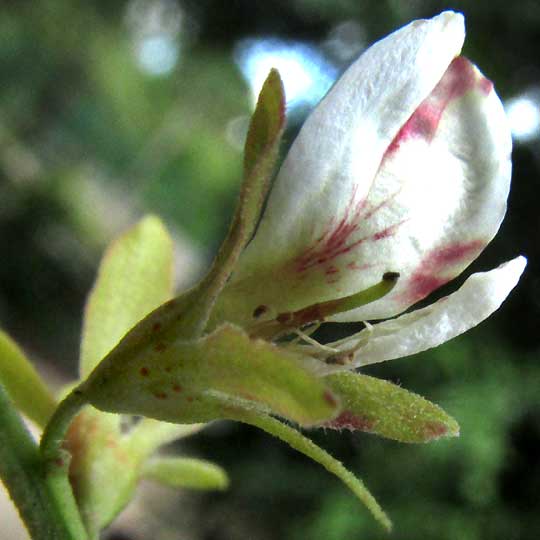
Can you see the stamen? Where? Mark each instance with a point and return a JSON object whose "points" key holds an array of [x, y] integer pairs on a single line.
{"points": [[315, 343], [308, 331], [289, 321]]}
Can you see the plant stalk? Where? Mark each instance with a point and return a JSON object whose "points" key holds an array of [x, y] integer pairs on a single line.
{"points": [[24, 474]]}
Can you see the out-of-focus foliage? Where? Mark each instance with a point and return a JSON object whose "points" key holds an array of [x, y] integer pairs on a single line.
{"points": [[109, 109]]}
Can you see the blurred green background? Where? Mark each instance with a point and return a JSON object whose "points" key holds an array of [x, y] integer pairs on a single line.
{"points": [[109, 110]]}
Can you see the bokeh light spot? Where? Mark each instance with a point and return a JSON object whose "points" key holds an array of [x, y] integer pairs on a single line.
{"points": [[524, 116], [157, 55], [306, 74]]}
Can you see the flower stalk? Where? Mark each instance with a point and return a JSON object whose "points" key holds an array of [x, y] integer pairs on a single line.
{"points": [[43, 502]]}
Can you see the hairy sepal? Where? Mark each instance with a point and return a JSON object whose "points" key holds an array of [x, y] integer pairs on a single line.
{"points": [[261, 154], [376, 406], [181, 381]]}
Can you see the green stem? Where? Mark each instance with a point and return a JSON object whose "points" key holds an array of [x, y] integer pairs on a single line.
{"points": [[57, 461], [306, 446], [23, 473]]}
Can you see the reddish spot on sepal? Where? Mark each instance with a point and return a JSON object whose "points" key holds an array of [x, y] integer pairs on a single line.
{"points": [[144, 371], [460, 78], [436, 269], [160, 395], [330, 398], [259, 311], [435, 430], [351, 421]]}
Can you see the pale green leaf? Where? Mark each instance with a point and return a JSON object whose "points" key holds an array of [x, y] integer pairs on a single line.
{"points": [[135, 276], [176, 381], [23, 384], [183, 472], [377, 406]]}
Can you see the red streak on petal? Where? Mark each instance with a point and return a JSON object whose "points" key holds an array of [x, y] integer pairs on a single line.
{"points": [[421, 285], [442, 257], [355, 266], [348, 420], [388, 232], [436, 268], [486, 86], [331, 270], [337, 239], [459, 78], [334, 241]]}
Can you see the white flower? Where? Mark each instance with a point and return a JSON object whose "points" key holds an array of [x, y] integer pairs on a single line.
{"points": [[404, 167]]}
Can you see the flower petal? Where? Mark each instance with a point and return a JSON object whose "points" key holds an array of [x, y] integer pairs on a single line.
{"points": [[315, 209], [480, 295], [440, 193]]}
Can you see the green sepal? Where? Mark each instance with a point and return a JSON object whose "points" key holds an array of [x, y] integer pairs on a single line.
{"points": [[380, 407], [176, 381], [135, 276], [23, 384], [261, 155], [266, 123], [185, 317], [180, 472], [306, 446]]}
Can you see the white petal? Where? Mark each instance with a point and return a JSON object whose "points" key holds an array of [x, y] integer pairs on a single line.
{"points": [[440, 194], [477, 299], [335, 158]]}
